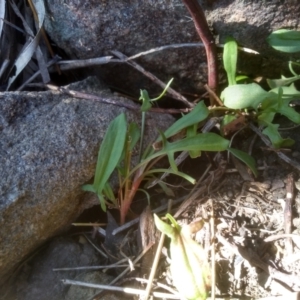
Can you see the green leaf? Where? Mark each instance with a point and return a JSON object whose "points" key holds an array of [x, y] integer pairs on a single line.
{"points": [[164, 91], [285, 40], [230, 59], [108, 192], [198, 114], [242, 96], [201, 142], [109, 154], [146, 101], [273, 83], [277, 141], [266, 117], [170, 171], [192, 131], [163, 227], [134, 135], [245, 158], [89, 188]]}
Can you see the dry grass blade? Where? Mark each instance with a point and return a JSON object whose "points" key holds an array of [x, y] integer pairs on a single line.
{"points": [[31, 45]]}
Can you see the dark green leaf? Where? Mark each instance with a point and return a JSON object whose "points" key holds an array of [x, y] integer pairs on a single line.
{"points": [[245, 158]]}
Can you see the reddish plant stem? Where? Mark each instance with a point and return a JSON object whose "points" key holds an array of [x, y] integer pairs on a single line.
{"points": [[125, 204], [207, 38]]}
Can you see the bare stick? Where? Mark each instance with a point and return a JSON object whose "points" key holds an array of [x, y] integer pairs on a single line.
{"points": [[170, 91], [92, 97], [288, 212], [118, 289]]}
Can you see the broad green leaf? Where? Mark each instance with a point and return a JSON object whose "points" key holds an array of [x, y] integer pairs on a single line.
{"points": [[277, 141], [198, 114], [109, 154], [285, 40], [245, 158], [230, 59], [242, 96], [189, 267]]}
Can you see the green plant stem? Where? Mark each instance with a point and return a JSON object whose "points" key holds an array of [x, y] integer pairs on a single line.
{"points": [[207, 38]]}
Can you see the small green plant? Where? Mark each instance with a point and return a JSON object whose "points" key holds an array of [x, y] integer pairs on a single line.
{"points": [[120, 139], [251, 97], [189, 265]]}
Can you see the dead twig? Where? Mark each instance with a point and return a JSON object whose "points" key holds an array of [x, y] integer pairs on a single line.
{"points": [[170, 91], [290, 280], [92, 97], [156, 260], [118, 289], [288, 212], [285, 158]]}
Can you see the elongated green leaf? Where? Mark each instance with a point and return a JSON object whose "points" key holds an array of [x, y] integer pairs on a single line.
{"points": [[230, 59], [144, 96], [190, 132], [242, 96], [181, 174], [198, 114], [245, 158], [108, 192], [109, 154], [285, 40], [164, 91], [201, 142]]}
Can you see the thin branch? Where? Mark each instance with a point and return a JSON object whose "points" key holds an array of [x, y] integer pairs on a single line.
{"points": [[131, 106], [170, 91], [207, 38]]}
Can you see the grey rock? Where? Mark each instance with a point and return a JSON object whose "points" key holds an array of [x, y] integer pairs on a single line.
{"points": [[38, 281], [92, 29], [48, 149]]}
